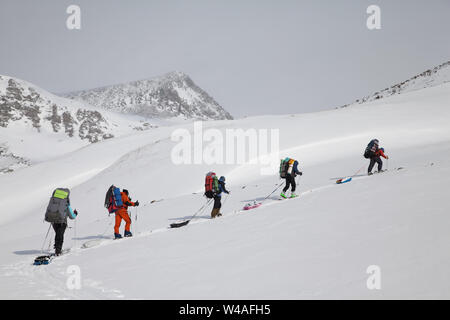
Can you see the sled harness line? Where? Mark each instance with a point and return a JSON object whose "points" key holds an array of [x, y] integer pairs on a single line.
{"points": [[358, 171], [202, 208], [181, 224], [278, 187]]}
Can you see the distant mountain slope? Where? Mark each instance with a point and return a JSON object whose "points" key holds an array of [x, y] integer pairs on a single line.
{"points": [[37, 125], [171, 95], [24, 104], [427, 79]]}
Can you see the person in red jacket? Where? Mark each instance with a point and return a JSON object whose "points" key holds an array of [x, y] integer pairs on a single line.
{"points": [[376, 159], [122, 213]]}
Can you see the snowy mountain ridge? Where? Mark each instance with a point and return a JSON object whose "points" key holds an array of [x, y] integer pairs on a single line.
{"points": [[37, 125], [171, 95], [429, 78], [35, 108]]}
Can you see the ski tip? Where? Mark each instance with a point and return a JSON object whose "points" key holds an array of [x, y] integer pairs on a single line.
{"points": [[343, 180], [249, 207]]}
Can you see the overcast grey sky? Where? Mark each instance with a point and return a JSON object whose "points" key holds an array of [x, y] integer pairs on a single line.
{"points": [[252, 56]]}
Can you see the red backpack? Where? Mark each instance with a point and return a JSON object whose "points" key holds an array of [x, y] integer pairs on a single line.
{"points": [[211, 185]]}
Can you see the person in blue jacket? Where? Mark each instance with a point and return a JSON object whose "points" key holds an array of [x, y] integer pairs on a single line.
{"points": [[60, 228], [58, 210], [218, 197]]}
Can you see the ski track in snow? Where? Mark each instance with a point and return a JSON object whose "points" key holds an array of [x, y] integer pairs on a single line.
{"points": [[53, 287], [406, 234]]}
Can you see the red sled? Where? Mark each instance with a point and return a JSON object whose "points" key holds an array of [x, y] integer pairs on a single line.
{"points": [[252, 206]]}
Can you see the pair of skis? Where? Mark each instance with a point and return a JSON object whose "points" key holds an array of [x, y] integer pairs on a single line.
{"points": [[348, 179], [255, 204], [97, 242]]}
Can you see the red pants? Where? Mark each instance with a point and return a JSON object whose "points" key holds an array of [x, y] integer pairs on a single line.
{"points": [[119, 216]]}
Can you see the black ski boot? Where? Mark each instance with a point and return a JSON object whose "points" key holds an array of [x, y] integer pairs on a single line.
{"points": [[128, 234]]}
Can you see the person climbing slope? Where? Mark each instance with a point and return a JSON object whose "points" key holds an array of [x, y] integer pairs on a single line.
{"points": [[374, 153], [122, 214], [57, 212], [218, 198], [288, 171]]}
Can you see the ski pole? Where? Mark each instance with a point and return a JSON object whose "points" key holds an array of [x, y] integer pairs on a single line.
{"points": [[278, 187], [202, 208], [131, 219], [102, 234], [45, 240], [135, 218], [75, 232], [50, 244], [228, 195]]}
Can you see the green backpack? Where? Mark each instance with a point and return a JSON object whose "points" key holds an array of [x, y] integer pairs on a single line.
{"points": [[211, 185], [284, 167]]}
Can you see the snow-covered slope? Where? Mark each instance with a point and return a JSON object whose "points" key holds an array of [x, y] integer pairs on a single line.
{"points": [[171, 95], [316, 246], [33, 107], [427, 79], [37, 125]]}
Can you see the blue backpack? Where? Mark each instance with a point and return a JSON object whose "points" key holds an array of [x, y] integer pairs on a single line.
{"points": [[113, 199]]}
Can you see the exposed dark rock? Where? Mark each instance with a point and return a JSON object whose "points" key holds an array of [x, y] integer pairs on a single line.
{"points": [[20, 102]]}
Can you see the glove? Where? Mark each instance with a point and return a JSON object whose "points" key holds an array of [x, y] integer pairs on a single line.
{"points": [[301, 173], [136, 204], [228, 192], [75, 212]]}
